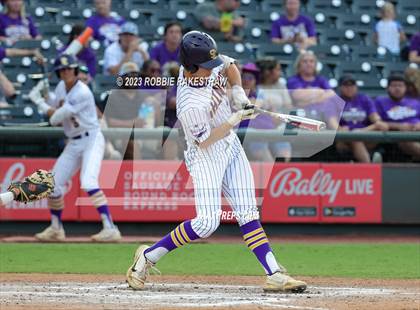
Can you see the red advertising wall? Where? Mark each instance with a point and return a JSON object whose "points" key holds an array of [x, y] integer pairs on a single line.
{"points": [[161, 191], [326, 193]]}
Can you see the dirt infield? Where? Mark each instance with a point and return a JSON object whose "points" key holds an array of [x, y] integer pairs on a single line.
{"points": [[63, 292]]}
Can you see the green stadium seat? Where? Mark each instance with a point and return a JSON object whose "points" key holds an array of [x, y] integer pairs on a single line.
{"points": [[237, 51], [70, 15], [27, 44], [371, 86], [365, 7], [410, 22], [185, 5], [281, 52], [361, 23], [19, 114], [272, 6], [359, 69], [339, 37], [393, 67], [257, 19], [249, 6], [327, 6], [147, 5], [115, 5], [104, 82], [409, 7]]}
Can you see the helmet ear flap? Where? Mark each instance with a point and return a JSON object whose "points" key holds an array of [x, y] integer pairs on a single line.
{"points": [[185, 63]]}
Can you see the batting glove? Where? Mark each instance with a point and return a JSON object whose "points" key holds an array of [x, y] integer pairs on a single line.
{"points": [[242, 115], [240, 99]]}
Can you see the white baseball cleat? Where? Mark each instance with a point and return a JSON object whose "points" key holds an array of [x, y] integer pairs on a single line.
{"points": [[139, 270], [51, 234], [279, 282], [107, 235]]}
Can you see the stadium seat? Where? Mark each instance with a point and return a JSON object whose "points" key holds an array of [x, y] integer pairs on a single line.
{"points": [[54, 3], [258, 19], [19, 114], [249, 6], [361, 23], [282, 52], [366, 7], [237, 51], [359, 53], [147, 5], [372, 86], [27, 44], [115, 5], [359, 69], [48, 31], [409, 7], [70, 15], [409, 22], [186, 5], [104, 82], [256, 35], [396, 67], [339, 37], [272, 6], [330, 55], [327, 6]]}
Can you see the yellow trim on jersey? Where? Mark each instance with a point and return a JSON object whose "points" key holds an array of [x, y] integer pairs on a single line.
{"points": [[184, 233], [252, 233], [252, 247], [179, 235], [174, 239], [260, 235]]}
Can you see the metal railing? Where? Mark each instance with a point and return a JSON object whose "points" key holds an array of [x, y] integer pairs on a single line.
{"points": [[251, 134]]}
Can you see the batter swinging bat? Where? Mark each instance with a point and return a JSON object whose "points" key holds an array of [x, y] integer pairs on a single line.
{"points": [[297, 121]]}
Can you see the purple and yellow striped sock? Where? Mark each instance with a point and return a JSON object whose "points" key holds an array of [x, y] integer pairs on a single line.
{"points": [[101, 204], [178, 237], [56, 206], [256, 240]]}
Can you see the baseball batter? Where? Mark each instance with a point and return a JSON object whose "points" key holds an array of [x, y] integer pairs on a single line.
{"points": [[74, 108], [216, 162]]}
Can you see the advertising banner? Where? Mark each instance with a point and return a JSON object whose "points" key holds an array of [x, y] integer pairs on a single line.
{"points": [[326, 193]]}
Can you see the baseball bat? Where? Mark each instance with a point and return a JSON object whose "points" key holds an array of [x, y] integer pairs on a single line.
{"points": [[297, 121]]}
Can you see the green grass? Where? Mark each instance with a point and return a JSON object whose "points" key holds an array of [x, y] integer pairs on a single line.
{"points": [[333, 259]]}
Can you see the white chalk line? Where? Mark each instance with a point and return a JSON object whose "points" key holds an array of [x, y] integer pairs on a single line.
{"points": [[170, 294]]}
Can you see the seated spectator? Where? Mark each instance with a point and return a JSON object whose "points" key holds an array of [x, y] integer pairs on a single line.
{"points": [[6, 90], [311, 93], [293, 27], [122, 109], [171, 147], [222, 16], [15, 25], [20, 52], [273, 90], [168, 49], [414, 49], [261, 151], [359, 114], [388, 31], [126, 49], [412, 78], [400, 112], [105, 27], [86, 56]]}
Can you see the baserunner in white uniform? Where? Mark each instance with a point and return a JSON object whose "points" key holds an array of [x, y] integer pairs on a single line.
{"points": [[74, 108], [216, 162]]}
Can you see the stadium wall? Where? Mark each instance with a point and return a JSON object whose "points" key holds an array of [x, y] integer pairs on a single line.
{"points": [[307, 193]]}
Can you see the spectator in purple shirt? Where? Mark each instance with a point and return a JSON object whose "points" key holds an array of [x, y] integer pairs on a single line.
{"points": [[359, 114], [414, 54], [400, 112], [105, 27], [86, 56], [15, 25], [311, 93], [293, 27], [168, 49]]}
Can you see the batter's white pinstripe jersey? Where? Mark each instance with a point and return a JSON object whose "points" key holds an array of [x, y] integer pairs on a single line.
{"points": [[202, 108]]}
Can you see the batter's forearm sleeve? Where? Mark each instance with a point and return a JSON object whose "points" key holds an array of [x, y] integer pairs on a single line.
{"points": [[60, 115]]}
